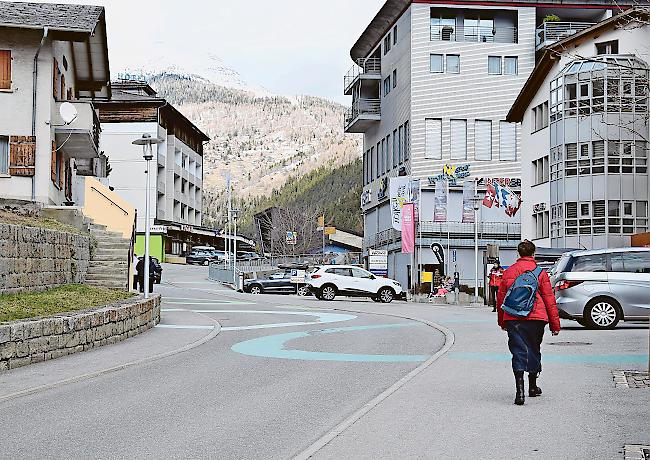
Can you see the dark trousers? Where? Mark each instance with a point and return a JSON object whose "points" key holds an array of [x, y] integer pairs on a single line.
{"points": [[493, 295], [141, 283], [524, 341]]}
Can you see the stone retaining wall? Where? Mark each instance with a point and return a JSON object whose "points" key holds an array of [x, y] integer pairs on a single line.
{"points": [[33, 259], [27, 342]]}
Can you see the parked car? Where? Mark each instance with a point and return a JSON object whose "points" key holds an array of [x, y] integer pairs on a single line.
{"points": [[599, 288], [278, 282], [200, 257], [328, 281]]}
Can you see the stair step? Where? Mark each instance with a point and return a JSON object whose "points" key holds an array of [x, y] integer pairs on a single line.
{"points": [[106, 277]]}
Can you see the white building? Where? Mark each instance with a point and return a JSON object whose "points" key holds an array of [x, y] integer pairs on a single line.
{"points": [[585, 130], [50, 55], [432, 85], [176, 170]]}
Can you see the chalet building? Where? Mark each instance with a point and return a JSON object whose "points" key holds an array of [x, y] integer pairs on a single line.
{"points": [[176, 170], [50, 56], [585, 128]]}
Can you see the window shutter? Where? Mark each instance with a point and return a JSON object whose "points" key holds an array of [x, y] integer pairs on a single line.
{"points": [[433, 139], [55, 79], [53, 164], [483, 140], [61, 171], [5, 69], [508, 141], [458, 139], [22, 155]]}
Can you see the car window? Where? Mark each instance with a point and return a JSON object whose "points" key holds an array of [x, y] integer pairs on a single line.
{"points": [[358, 273], [590, 263], [340, 271], [631, 262]]}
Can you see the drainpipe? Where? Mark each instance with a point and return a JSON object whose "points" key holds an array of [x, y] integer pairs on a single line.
{"points": [[34, 81]]}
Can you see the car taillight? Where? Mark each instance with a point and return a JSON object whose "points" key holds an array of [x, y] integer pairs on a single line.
{"points": [[566, 284], [315, 277]]}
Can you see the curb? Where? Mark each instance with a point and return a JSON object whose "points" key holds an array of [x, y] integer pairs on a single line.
{"points": [[360, 413], [91, 375]]}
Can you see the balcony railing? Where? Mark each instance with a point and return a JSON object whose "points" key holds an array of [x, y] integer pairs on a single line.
{"points": [[478, 34], [369, 109], [551, 32], [366, 67]]}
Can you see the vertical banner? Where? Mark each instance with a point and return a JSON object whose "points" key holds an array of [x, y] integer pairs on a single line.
{"points": [[440, 202], [399, 194], [408, 228], [468, 206]]}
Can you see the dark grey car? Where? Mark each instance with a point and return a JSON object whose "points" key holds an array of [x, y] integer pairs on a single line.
{"points": [[599, 288]]}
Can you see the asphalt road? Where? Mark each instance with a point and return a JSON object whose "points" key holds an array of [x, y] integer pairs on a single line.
{"points": [[281, 372]]}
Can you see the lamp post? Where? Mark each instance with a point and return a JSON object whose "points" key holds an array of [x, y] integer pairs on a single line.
{"points": [[146, 141], [234, 250], [476, 203]]}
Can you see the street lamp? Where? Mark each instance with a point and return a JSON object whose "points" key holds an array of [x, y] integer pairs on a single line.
{"points": [[234, 213], [476, 203], [147, 142]]}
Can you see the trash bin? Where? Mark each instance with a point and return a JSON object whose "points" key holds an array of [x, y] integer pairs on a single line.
{"points": [[240, 282]]}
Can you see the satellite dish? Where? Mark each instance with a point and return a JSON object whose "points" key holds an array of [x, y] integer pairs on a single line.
{"points": [[68, 112]]}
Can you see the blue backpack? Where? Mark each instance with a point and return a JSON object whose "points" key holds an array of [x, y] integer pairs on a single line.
{"points": [[520, 298]]}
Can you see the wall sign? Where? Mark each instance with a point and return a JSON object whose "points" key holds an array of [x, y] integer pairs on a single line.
{"points": [[382, 193], [451, 173], [510, 182], [539, 207], [366, 197]]}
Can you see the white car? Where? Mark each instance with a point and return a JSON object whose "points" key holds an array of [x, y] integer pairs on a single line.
{"points": [[327, 281]]}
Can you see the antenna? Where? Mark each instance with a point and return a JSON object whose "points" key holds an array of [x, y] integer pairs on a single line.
{"points": [[68, 113]]}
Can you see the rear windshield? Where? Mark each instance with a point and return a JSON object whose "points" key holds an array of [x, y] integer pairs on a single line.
{"points": [[589, 263]]}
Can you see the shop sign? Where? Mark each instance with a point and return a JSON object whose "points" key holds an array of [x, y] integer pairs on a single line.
{"points": [[366, 197], [451, 174], [378, 262], [158, 229], [382, 193], [539, 207], [186, 228], [510, 182], [292, 238]]}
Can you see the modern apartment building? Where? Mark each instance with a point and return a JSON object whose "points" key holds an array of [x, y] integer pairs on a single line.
{"points": [[176, 170], [431, 85], [585, 128], [51, 56]]}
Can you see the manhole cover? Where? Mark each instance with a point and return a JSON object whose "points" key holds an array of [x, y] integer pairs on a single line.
{"points": [[570, 344]]}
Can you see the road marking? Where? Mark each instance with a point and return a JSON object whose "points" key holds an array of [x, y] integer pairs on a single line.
{"points": [[181, 326], [558, 359], [209, 302], [272, 346]]}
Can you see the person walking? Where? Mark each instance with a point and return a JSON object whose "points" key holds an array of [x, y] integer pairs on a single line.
{"points": [[526, 304], [496, 274], [140, 270]]}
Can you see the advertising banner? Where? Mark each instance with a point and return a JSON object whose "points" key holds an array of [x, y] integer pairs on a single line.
{"points": [[440, 202], [468, 205], [399, 194], [502, 197], [378, 262], [408, 228]]}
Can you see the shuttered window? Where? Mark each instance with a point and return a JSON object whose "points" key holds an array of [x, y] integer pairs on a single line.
{"points": [[55, 78], [458, 139], [483, 140], [22, 155], [433, 139], [5, 69], [4, 155], [508, 141]]}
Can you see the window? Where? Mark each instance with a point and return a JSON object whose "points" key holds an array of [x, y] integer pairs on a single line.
{"points": [[407, 141], [378, 151], [590, 263], [386, 86], [494, 65], [5, 69], [433, 139], [395, 78], [507, 141], [395, 150], [387, 44], [400, 144], [607, 47], [4, 155], [384, 157], [483, 140], [340, 271], [395, 35], [510, 65], [388, 153], [458, 139], [540, 170], [443, 26], [631, 262], [539, 117], [373, 164], [436, 63], [359, 273], [453, 63], [541, 221], [366, 163]]}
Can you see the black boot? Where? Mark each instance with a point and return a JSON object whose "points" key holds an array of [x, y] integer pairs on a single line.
{"points": [[533, 389], [519, 382]]}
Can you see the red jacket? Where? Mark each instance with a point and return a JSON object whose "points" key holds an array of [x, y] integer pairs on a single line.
{"points": [[545, 308]]}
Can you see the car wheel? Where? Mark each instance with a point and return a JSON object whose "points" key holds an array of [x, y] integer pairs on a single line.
{"points": [[602, 314], [303, 291], [328, 292], [375, 298], [256, 289], [386, 295]]}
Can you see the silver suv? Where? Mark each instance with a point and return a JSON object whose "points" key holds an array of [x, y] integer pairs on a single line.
{"points": [[601, 287]]}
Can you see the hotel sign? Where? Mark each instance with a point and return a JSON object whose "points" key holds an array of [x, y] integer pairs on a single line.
{"points": [[510, 182]]}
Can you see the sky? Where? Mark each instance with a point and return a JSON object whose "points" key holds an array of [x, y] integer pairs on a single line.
{"points": [[290, 47]]}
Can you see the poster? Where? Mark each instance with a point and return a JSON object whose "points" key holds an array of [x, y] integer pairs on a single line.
{"points": [[378, 262], [440, 202], [468, 204], [408, 228]]}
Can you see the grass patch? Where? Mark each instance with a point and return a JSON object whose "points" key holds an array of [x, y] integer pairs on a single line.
{"points": [[73, 297], [11, 218]]}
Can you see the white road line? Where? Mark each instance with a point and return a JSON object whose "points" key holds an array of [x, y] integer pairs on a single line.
{"points": [[181, 326]]}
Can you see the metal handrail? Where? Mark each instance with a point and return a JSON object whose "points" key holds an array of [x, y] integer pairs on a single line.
{"points": [[126, 213], [479, 34], [362, 66], [362, 106], [556, 31]]}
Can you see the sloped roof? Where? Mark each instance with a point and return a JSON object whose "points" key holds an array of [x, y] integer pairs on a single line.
{"points": [[78, 18]]}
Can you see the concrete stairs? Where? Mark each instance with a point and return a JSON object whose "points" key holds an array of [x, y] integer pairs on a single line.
{"points": [[109, 264]]}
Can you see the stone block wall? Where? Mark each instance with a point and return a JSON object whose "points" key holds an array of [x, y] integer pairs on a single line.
{"points": [[27, 342], [33, 259]]}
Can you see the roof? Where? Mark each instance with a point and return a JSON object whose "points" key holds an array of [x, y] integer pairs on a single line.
{"points": [[80, 18], [391, 11], [549, 58]]}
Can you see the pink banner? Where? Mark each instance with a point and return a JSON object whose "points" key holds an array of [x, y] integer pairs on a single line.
{"points": [[408, 228]]}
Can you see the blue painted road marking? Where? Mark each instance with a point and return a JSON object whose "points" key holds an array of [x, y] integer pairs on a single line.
{"points": [[559, 359], [273, 346]]}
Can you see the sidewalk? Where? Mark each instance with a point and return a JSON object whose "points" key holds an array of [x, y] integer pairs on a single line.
{"points": [[462, 405]]}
